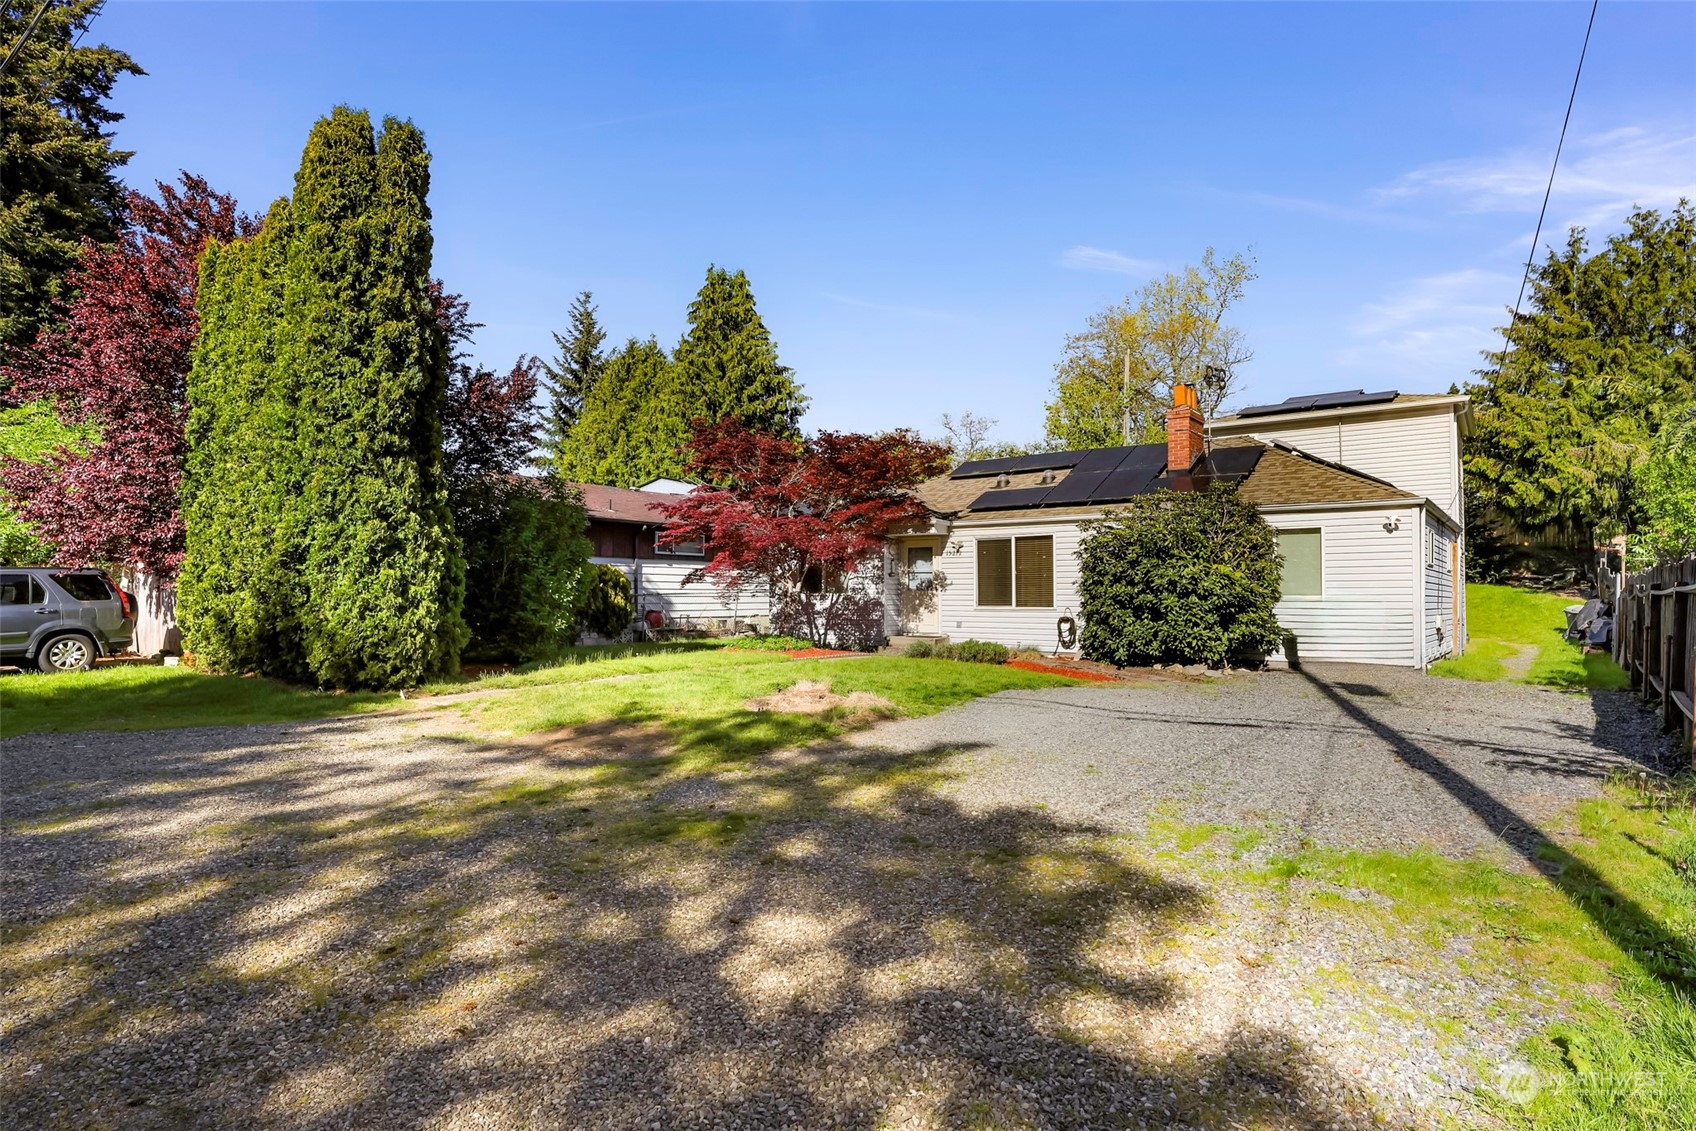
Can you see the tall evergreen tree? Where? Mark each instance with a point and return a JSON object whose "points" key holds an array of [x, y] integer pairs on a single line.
{"points": [[315, 431], [727, 363], [1569, 411], [571, 376], [634, 422], [58, 187]]}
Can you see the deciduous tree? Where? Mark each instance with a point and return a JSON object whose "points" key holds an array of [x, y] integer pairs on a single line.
{"points": [[114, 370], [799, 518], [58, 189], [1116, 376]]}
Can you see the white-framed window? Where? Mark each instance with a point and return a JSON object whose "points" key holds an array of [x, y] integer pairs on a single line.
{"points": [[680, 549], [1016, 572], [1303, 552]]}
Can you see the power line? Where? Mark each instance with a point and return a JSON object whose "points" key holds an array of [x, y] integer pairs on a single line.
{"points": [[1570, 99], [24, 38]]}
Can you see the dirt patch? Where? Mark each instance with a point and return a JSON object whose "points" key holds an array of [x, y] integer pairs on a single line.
{"points": [[810, 697]]}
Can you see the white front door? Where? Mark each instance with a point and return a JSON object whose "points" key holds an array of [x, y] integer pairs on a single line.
{"points": [[918, 591]]}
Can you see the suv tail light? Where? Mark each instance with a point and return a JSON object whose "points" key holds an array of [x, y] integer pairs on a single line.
{"points": [[124, 600]]}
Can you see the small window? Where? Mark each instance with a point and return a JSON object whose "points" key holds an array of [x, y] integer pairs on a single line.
{"points": [[14, 589], [995, 571], [1033, 572], [680, 549], [1303, 552], [817, 579], [83, 586]]}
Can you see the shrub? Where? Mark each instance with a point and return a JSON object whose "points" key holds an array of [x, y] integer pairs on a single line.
{"points": [[920, 650], [526, 564], [979, 652], [608, 603], [779, 643], [1179, 577]]}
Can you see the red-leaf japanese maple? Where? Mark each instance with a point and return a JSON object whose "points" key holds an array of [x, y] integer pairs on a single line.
{"points": [[802, 518], [120, 363]]}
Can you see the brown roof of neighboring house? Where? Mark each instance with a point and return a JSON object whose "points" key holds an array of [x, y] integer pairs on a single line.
{"points": [[620, 504], [1283, 476]]}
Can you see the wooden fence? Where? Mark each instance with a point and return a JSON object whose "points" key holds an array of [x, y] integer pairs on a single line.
{"points": [[1655, 640]]}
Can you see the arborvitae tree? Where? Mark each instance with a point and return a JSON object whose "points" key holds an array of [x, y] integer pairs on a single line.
{"points": [[727, 363], [634, 422], [571, 376], [58, 188], [319, 538]]}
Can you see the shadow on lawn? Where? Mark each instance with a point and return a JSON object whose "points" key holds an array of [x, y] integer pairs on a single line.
{"points": [[1661, 952], [374, 937]]}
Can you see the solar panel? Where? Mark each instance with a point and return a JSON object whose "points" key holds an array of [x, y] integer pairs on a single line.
{"points": [[1078, 487], [1010, 498], [1234, 462], [974, 468], [1045, 461], [1125, 483], [1105, 459], [1345, 399]]}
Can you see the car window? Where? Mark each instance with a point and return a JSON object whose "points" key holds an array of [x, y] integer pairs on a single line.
{"points": [[14, 589], [83, 586]]}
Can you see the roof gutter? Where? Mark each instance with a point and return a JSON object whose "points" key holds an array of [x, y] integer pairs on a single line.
{"points": [[1364, 505]]}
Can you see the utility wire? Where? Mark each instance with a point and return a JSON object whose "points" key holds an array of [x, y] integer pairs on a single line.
{"points": [[24, 38], [1570, 99]]}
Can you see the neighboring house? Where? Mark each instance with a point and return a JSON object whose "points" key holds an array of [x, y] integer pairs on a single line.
{"points": [[1372, 562], [623, 524]]}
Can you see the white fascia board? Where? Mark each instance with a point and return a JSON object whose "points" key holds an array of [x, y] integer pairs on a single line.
{"points": [[1389, 505], [1455, 403]]}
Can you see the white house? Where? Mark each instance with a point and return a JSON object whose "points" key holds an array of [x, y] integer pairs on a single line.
{"points": [[622, 528], [1369, 526]]}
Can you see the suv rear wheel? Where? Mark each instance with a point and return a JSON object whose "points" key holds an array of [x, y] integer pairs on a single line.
{"points": [[70, 653]]}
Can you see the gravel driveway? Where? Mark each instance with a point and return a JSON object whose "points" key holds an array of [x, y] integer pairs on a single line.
{"points": [[376, 922], [1353, 756]]}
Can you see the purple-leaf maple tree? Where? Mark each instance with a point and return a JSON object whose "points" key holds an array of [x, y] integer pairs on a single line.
{"points": [[120, 362], [489, 418], [801, 518]]}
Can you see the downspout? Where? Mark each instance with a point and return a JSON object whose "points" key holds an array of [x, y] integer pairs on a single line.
{"points": [[1418, 587]]}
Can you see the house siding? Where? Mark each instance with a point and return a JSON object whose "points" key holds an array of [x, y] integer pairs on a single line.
{"points": [[1440, 629], [662, 589], [1416, 451], [1366, 612], [963, 619]]}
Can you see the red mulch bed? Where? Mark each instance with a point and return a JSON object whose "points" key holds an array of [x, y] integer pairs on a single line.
{"points": [[1063, 669], [819, 654]]}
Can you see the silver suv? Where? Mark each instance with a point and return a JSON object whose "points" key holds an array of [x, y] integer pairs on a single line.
{"points": [[61, 619]]}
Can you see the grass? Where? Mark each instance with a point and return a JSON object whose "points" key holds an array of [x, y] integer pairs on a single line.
{"points": [[1609, 940], [695, 690], [1502, 620]]}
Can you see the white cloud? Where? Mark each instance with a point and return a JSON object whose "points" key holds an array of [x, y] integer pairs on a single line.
{"points": [[1601, 177], [1431, 330], [1082, 258]]}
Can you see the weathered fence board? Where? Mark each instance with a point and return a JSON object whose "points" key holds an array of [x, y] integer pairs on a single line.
{"points": [[1655, 641]]}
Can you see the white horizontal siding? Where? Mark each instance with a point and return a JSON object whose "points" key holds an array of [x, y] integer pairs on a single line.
{"points": [[1439, 594], [1366, 611], [963, 619], [1416, 451], [662, 588]]}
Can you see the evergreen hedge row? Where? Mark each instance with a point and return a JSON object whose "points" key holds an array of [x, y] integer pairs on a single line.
{"points": [[319, 542]]}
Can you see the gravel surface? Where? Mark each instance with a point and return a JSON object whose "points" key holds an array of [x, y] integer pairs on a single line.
{"points": [[375, 923], [1340, 754]]}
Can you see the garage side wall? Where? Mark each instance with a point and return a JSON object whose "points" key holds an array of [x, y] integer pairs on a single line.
{"points": [[1440, 596], [1365, 613]]}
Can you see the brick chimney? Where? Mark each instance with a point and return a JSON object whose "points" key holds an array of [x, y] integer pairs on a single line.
{"points": [[1185, 431]]}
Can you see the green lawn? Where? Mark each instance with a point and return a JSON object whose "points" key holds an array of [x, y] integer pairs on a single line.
{"points": [[695, 690], [1502, 620]]}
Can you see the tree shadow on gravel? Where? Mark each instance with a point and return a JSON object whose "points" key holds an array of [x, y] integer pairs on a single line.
{"points": [[423, 931], [1662, 952]]}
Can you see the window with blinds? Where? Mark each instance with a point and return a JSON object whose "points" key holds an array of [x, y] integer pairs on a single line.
{"points": [[1303, 552], [995, 571], [1033, 572]]}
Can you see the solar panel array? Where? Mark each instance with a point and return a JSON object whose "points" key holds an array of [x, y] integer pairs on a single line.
{"points": [[1347, 399], [1100, 475]]}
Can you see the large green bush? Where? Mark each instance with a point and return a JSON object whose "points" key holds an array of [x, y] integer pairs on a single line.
{"points": [[319, 544], [526, 566], [1179, 577], [608, 603]]}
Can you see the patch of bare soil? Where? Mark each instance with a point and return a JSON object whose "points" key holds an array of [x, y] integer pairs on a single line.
{"points": [[812, 697]]}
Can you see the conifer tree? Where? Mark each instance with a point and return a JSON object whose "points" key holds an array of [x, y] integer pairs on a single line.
{"points": [[571, 376], [319, 542], [58, 188], [634, 423], [727, 363]]}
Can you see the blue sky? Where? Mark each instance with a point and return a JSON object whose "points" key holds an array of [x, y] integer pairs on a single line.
{"points": [[928, 198]]}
